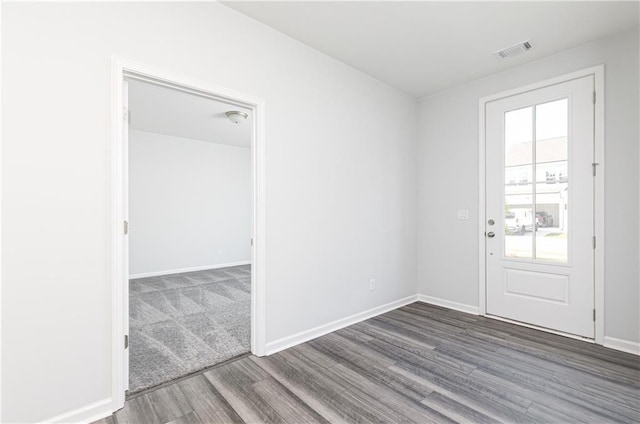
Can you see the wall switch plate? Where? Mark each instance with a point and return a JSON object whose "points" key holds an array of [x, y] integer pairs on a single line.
{"points": [[372, 284], [463, 214]]}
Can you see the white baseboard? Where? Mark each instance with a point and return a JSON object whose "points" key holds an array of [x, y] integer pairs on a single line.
{"points": [[192, 269], [305, 336], [469, 309], [85, 414], [610, 342], [622, 345]]}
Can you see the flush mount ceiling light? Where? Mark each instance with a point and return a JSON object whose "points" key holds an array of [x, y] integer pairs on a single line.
{"points": [[515, 50], [236, 116]]}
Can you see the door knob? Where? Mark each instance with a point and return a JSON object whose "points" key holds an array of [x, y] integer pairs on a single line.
{"points": [[491, 234]]}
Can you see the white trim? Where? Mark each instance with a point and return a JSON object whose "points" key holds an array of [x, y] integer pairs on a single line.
{"points": [[85, 414], [258, 226], [599, 202], [321, 330], [462, 307], [121, 68], [594, 70], [1, 420], [190, 269], [599, 135], [117, 267], [622, 345]]}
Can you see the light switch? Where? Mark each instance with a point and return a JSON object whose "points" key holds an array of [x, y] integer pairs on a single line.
{"points": [[463, 214]]}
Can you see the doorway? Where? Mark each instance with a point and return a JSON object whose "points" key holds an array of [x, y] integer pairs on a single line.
{"points": [[124, 73], [189, 215], [542, 195]]}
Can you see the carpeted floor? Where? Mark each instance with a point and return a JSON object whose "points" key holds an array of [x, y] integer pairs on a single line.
{"points": [[182, 323]]}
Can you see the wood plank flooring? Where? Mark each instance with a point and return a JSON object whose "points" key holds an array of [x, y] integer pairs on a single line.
{"points": [[417, 364]]}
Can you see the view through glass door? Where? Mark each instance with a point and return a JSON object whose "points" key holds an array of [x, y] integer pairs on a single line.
{"points": [[539, 207]]}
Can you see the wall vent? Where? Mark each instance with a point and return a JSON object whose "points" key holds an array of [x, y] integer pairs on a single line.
{"points": [[515, 50]]}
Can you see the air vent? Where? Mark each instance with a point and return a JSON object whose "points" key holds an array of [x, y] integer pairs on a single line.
{"points": [[515, 50]]}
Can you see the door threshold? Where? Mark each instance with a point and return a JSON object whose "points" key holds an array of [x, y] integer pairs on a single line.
{"points": [[184, 377], [545, 329]]}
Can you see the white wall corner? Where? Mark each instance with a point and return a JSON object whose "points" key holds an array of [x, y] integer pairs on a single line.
{"points": [[321, 330], [84, 414], [622, 345], [469, 309]]}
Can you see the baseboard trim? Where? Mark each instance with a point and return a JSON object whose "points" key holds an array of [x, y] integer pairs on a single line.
{"points": [[85, 414], [321, 330], [462, 307], [610, 342], [192, 269], [622, 345]]}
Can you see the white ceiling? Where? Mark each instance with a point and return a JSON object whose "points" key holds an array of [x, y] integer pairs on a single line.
{"points": [[426, 47], [167, 111]]}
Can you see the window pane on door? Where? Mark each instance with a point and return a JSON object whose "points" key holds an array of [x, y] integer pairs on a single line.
{"points": [[518, 183], [552, 181]]}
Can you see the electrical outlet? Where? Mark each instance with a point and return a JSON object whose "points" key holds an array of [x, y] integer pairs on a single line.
{"points": [[463, 214], [372, 284]]}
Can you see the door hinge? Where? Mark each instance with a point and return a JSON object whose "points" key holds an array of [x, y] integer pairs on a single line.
{"points": [[594, 97], [126, 115], [594, 166], [126, 227], [594, 314], [126, 341], [251, 242], [594, 242]]}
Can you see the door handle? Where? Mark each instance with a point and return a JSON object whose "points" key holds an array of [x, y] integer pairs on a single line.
{"points": [[491, 234]]}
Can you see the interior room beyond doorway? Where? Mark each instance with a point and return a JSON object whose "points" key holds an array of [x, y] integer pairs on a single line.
{"points": [[189, 198]]}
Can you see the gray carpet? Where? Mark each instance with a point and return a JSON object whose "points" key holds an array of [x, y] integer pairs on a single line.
{"points": [[182, 323]]}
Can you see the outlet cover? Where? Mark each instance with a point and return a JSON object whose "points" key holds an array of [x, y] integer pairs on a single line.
{"points": [[463, 214]]}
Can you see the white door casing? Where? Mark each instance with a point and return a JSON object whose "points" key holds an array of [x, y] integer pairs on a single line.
{"points": [[528, 277], [125, 213], [121, 70]]}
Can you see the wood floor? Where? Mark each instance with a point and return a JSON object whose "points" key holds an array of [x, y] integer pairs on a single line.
{"points": [[419, 364]]}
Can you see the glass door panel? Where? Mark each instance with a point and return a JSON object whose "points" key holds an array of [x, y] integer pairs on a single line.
{"points": [[518, 183], [552, 181]]}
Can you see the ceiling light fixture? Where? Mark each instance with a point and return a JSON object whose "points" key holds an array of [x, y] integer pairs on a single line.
{"points": [[515, 50], [236, 116]]}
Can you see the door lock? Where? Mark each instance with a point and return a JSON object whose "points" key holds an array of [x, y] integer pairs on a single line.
{"points": [[491, 222], [491, 234]]}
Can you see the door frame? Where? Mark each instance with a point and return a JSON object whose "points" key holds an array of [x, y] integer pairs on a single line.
{"points": [[599, 134], [121, 69]]}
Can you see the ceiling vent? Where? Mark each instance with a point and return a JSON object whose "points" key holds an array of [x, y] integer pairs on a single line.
{"points": [[515, 50]]}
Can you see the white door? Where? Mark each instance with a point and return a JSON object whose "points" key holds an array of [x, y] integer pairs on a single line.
{"points": [[539, 207]]}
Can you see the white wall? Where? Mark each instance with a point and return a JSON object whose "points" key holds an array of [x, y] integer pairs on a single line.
{"points": [[189, 203], [448, 248], [341, 181]]}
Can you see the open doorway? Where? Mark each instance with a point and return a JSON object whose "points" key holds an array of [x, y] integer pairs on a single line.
{"points": [[188, 226], [189, 204]]}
